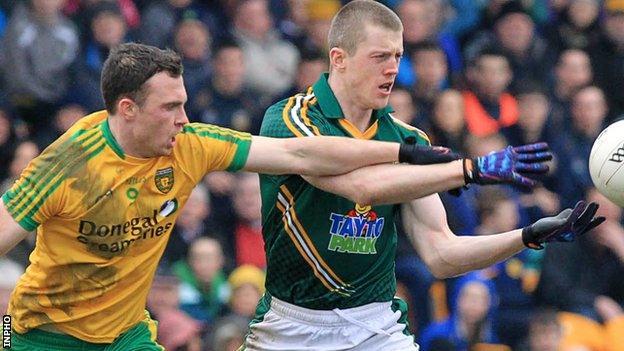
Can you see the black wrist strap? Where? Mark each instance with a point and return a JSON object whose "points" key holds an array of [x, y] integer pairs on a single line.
{"points": [[528, 239], [405, 152]]}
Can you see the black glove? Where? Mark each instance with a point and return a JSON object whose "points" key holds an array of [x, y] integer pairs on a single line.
{"points": [[566, 226], [425, 155]]}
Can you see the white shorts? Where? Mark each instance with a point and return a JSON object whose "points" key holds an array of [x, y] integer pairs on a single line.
{"points": [[287, 327]]}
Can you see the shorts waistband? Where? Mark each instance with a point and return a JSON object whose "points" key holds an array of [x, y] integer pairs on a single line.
{"points": [[328, 317]]}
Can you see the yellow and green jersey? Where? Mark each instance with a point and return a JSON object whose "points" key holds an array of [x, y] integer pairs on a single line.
{"points": [[103, 219], [324, 251]]}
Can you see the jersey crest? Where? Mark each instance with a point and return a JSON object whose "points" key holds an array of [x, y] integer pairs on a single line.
{"points": [[164, 179]]}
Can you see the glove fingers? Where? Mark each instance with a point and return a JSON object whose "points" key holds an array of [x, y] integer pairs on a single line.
{"points": [[594, 223], [531, 148], [580, 224], [536, 168], [535, 157]]}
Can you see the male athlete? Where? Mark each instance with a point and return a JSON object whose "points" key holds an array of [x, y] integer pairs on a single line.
{"points": [[330, 259], [105, 195]]}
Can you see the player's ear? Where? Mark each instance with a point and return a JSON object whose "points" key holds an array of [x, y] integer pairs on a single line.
{"points": [[337, 58], [126, 108]]}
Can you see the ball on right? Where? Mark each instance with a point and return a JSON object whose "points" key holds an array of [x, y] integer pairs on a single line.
{"points": [[606, 163]]}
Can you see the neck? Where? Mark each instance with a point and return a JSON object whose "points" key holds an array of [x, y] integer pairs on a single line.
{"points": [[359, 116], [123, 136]]}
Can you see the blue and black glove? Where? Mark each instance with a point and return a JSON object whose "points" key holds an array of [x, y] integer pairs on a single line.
{"points": [[565, 227], [511, 165]]}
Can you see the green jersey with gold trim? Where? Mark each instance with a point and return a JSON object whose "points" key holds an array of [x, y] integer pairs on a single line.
{"points": [[323, 250], [103, 219]]}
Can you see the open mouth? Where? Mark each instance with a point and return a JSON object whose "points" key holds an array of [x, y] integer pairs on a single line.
{"points": [[386, 88]]}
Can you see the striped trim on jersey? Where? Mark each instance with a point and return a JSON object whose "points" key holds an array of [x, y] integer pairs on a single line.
{"points": [[225, 134], [410, 127], [49, 171], [301, 240], [295, 114]]}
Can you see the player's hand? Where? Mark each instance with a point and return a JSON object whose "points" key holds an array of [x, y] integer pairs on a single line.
{"points": [[565, 227], [511, 165], [425, 154]]}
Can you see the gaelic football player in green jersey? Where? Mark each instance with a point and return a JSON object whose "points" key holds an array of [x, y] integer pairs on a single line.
{"points": [[330, 258]]}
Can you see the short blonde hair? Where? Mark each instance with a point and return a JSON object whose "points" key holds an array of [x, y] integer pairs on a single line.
{"points": [[346, 29]]}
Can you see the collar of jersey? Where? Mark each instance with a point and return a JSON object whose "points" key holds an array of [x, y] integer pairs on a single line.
{"points": [[110, 139], [329, 104]]}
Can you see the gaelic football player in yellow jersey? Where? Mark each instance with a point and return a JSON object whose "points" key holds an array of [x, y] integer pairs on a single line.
{"points": [[104, 197]]}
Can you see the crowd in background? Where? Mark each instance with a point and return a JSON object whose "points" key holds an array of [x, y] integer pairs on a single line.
{"points": [[475, 76]]}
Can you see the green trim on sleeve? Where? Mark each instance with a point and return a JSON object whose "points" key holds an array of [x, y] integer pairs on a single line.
{"points": [[241, 155], [28, 224]]}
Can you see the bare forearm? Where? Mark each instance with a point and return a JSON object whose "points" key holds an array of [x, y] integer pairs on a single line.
{"points": [[332, 155], [461, 254], [393, 183]]}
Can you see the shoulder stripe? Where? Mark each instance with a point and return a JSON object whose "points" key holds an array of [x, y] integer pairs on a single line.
{"points": [[216, 132], [51, 164], [208, 130], [295, 116], [42, 183], [300, 238], [410, 127]]}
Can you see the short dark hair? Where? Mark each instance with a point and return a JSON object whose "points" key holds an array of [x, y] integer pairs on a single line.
{"points": [[490, 50], [129, 66]]}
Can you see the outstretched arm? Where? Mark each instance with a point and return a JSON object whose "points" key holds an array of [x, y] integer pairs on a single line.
{"points": [[445, 253], [448, 255], [392, 184], [319, 155], [11, 232]]}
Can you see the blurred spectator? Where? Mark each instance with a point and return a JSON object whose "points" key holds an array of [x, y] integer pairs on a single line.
{"points": [[106, 29], [473, 298], [39, 45], [204, 290], [488, 106], [448, 125], [533, 115], [266, 55], [67, 116], [432, 75], [226, 100], [514, 33], [25, 151], [572, 72], [572, 148], [228, 333], [8, 142], [421, 22], [293, 25], [515, 279], [320, 14], [310, 67], [544, 333], [176, 330], [608, 56], [576, 28], [192, 223], [404, 107], [77, 8], [248, 242], [577, 276], [192, 41], [247, 286], [160, 17], [11, 272]]}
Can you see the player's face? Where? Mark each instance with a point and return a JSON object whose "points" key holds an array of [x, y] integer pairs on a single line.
{"points": [[161, 116], [371, 70]]}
